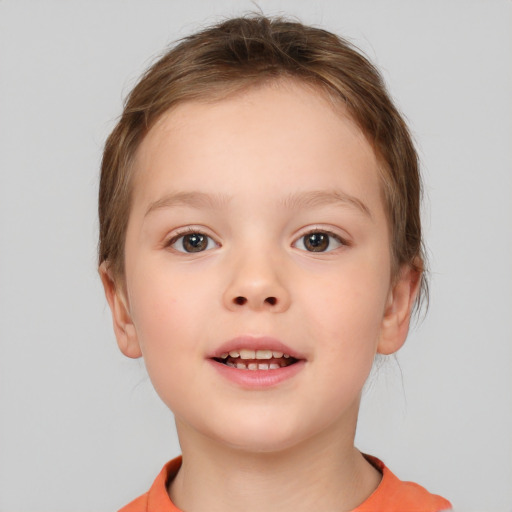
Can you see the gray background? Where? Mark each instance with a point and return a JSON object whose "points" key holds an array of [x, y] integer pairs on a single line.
{"points": [[81, 428]]}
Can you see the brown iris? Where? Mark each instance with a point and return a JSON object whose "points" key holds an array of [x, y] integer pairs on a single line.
{"points": [[195, 242], [316, 242]]}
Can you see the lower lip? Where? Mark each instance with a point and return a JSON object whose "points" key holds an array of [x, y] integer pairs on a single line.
{"points": [[258, 379]]}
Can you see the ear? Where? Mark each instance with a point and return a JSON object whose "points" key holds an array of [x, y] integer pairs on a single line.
{"points": [[124, 328], [397, 316]]}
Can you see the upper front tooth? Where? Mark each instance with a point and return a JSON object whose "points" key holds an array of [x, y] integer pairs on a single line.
{"points": [[277, 355], [263, 354], [234, 353], [246, 354]]}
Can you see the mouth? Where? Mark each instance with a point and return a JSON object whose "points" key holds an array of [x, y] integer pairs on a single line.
{"points": [[257, 362], [256, 359]]}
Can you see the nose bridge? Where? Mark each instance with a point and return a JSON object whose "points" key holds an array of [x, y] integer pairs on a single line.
{"points": [[257, 279]]}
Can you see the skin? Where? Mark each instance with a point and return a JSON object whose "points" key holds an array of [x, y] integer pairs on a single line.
{"points": [[289, 447]]}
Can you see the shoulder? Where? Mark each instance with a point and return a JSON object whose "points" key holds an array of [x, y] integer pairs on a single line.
{"points": [[395, 495], [157, 499]]}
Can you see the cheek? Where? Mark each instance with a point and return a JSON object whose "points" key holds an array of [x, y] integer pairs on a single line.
{"points": [[353, 298], [166, 312], [347, 319], [160, 297], [167, 348], [175, 313]]}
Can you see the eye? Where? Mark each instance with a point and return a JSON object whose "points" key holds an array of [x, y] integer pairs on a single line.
{"points": [[319, 241], [192, 242]]}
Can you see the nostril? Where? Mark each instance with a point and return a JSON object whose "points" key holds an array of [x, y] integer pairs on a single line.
{"points": [[271, 300], [240, 300]]}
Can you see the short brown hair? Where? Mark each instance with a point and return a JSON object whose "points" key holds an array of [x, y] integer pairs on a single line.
{"points": [[239, 53]]}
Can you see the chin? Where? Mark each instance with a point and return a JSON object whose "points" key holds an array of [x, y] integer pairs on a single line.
{"points": [[261, 437], [263, 446]]}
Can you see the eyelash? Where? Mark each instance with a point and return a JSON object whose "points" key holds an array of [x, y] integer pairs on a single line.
{"points": [[193, 231], [183, 233], [341, 241]]}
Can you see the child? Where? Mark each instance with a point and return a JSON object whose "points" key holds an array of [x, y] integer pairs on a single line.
{"points": [[260, 242]]}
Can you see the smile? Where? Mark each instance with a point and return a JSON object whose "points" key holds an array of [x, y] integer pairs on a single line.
{"points": [[256, 362], [247, 359]]}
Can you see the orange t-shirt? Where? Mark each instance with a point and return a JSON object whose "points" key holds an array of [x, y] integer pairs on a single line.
{"points": [[392, 495]]}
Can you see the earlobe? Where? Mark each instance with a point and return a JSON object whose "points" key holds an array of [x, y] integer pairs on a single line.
{"points": [[124, 328], [395, 324]]}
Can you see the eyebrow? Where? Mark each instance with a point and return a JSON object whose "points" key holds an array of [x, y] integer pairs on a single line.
{"points": [[325, 198], [193, 199], [296, 201]]}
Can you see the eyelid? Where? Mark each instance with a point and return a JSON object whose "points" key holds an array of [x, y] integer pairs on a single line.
{"points": [[342, 240], [188, 230]]}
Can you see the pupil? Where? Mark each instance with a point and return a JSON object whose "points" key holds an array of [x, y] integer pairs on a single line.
{"points": [[316, 242], [194, 242]]}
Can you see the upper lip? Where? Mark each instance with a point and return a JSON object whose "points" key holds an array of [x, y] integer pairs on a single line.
{"points": [[255, 343]]}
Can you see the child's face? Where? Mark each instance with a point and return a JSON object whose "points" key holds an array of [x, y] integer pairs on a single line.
{"points": [[277, 201]]}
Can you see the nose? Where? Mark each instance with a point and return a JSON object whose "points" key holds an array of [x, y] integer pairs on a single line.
{"points": [[256, 283]]}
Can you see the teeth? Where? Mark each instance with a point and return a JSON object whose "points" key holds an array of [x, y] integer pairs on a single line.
{"points": [[263, 354], [246, 354], [255, 366], [243, 356]]}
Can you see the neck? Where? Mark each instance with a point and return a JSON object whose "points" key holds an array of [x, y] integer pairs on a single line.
{"points": [[324, 473]]}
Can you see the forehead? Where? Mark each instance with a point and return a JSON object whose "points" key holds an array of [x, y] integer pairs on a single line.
{"points": [[283, 127]]}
